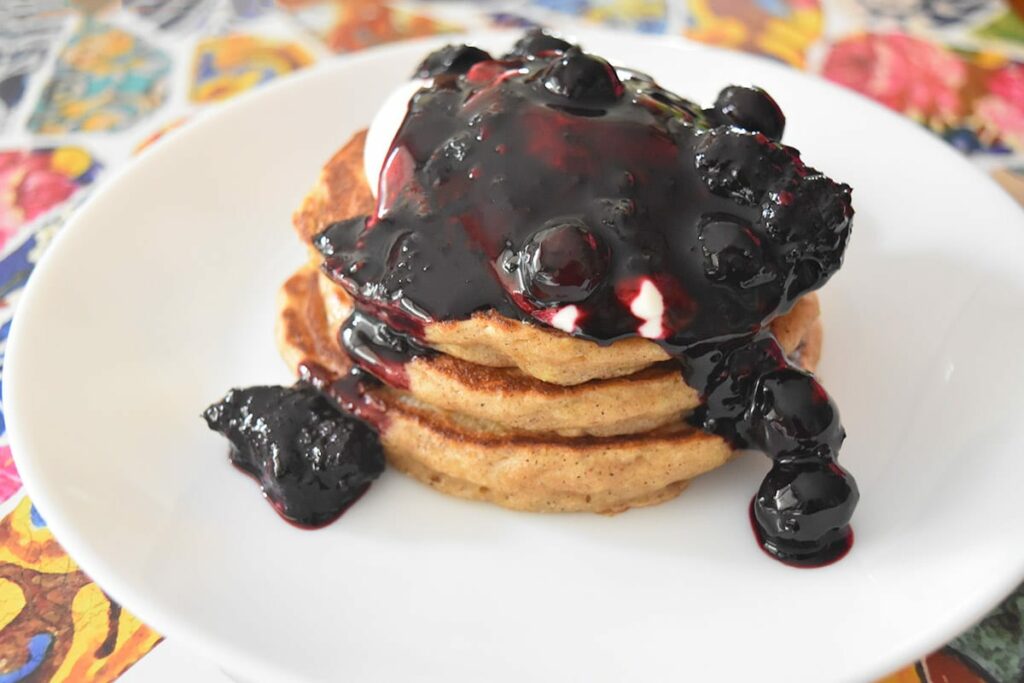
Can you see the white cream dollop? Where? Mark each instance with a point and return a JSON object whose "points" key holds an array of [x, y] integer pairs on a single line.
{"points": [[649, 306], [565, 319], [384, 127]]}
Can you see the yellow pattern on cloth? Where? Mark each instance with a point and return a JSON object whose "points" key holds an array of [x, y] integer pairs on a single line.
{"points": [[228, 65], [45, 600], [746, 25]]}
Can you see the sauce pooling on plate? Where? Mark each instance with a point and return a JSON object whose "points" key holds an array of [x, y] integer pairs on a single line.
{"points": [[311, 460], [553, 188]]}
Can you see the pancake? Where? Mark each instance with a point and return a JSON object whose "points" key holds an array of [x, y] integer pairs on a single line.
{"points": [[651, 397], [478, 459], [488, 338]]}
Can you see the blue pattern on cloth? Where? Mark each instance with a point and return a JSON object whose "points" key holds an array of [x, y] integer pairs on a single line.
{"points": [[38, 647], [106, 79]]}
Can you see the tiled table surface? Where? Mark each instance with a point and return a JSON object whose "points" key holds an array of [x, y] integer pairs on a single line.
{"points": [[85, 87]]}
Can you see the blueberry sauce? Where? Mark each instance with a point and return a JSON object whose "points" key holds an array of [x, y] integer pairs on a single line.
{"points": [[311, 459], [825, 552], [548, 183], [379, 349], [351, 392]]}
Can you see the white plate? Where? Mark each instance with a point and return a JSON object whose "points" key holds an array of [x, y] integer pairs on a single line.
{"points": [[160, 295]]}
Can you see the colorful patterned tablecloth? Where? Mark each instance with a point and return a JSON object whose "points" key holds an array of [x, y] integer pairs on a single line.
{"points": [[86, 85]]}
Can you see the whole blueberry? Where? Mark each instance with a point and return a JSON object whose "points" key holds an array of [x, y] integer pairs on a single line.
{"points": [[582, 78], [563, 263], [792, 416], [536, 42], [732, 252], [450, 59], [751, 109], [803, 509]]}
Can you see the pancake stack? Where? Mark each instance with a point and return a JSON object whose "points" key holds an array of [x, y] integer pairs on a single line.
{"points": [[501, 410]]}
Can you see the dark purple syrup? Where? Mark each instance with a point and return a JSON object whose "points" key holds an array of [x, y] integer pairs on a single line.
{"points": [[835, 548], [312, 460], [350, 392], [544, 180]]}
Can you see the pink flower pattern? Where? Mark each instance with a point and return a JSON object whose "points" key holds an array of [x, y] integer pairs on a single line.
{"points": [[10, 482], [1001, 111], [31, 183], [904, 73], [974, 99]]}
